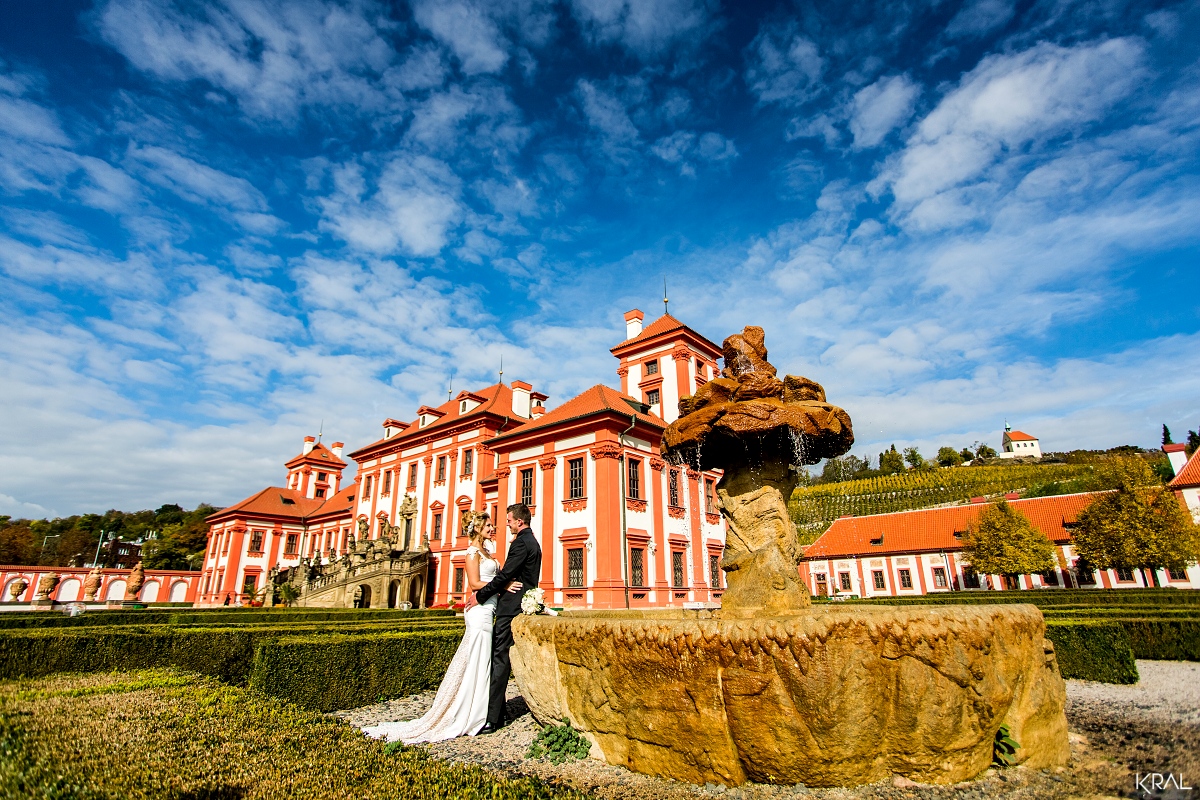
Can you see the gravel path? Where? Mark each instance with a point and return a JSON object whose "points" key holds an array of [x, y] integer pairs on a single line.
{"points": [[1116, 731]]}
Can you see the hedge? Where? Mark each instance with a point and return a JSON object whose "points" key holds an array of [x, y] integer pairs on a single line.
{"points": [[327, 673], [1093, 651], [1048, 597], [163, 734], [50, 619], [225, 653], [1164, 639]]}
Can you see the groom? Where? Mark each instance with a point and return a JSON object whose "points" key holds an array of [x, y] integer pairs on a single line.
{"points": [[523, 569]]}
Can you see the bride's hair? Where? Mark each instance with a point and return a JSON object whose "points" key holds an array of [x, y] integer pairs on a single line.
{"points": [[475, 525]]}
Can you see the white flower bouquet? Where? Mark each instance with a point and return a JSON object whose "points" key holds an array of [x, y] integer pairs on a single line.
{"points": [[534, 602]]}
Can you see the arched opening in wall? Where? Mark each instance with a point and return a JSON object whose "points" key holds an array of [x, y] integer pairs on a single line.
{"points": [[415, 591], [393, 594], [363, 596], [149, 593], [68, 590], [115, 591], [179, 592]]}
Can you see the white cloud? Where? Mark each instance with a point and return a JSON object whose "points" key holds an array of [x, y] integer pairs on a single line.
{"points": [[644, 27], [275, 57], [468, 32], [877, 109], [784, 66], [979, 17], [684, 148], [1006, 103], [411, 207]]}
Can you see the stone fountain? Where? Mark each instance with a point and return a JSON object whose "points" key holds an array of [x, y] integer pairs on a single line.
{"points": [[771, 688]]}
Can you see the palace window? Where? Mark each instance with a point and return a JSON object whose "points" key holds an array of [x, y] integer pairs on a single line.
{"points": [[637, 566], [412, 475], [1050, 577], [905, 579], [527, 486], [208, 583], [1177, 574], [367, 487], [256, 541], [877, 579], [844, 578], [385, 486], [575, 478], [1124, 574], [320, 493], [575, 568], [441, 468], [710, 496], [652, 367], [635, 479], [249, 584], [673, 488], [970, 578], [292, 545], [653, 397], [1086, 576], [458, 580], [322, 476], [463, 519], [714, 571], [468, 464], [677, 569], [407, 531], [436, 535], [939, 577]]}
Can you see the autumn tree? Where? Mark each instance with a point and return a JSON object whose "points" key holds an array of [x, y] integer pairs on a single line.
{"points": [[1002, 541], [1140, 525], [16, 542]]}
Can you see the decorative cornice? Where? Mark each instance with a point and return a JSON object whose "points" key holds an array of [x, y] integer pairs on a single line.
{"points": [[604, 450], [439, 483], [428, 460], [622, 371], [503, 472], [635, 505], [681, 353], [713, 519], [549, 462], [675, 512], [657, 464], [578, 504], [484, 450]]}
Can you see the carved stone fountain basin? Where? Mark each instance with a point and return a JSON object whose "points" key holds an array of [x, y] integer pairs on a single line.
{"points": [[826, 696]]}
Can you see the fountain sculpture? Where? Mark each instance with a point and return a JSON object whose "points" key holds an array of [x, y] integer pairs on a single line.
{"points": [[771, 688]]}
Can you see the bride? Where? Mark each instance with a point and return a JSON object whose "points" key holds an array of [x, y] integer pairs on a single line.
{"points": [[460, 708]]}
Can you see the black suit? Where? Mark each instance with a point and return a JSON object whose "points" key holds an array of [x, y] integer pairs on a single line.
{"points": [[524, 564]]}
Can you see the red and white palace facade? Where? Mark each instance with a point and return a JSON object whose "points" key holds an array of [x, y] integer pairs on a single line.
{"points": [[618, 526]]}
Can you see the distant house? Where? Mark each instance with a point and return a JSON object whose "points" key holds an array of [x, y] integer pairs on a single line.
{"points": [[1186, 483], [1018, 444], [920, 552]]}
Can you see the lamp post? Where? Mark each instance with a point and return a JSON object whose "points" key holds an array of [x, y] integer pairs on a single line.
{"points": [[103, 535]]}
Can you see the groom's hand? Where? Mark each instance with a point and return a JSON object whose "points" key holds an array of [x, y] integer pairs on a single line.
{"points": [[515, 587]]}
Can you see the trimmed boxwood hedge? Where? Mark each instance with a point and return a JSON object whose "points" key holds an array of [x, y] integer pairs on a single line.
{"points": [[49, 619], [1093, 651], [327, 673], [226, 653], [163, 735], [1166, 639]]}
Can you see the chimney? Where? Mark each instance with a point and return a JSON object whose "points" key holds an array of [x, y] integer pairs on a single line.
{"points": [[520, 398], [1177, 455], [537, 411], [309, 443], [633, 323], [336, 448]]}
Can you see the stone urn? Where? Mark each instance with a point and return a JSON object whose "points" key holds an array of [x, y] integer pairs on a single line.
{"points": [[46, 586], [17, 588], [771, 688], [91, 585], [137, 578]]}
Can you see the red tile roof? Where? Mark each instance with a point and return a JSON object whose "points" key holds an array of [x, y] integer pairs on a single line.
{"points": [[274, 502], [664, 324], [1174, 448], [320, 454], [932, 529], [1189, 476], [497, 399], [596, 400], [1020, 436]]}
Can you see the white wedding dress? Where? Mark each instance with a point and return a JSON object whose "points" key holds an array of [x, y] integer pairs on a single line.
{"points": [[460, 708]]}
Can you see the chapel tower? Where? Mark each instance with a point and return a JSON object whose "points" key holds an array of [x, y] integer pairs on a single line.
{"points": [[663, 362], [317, 472]]}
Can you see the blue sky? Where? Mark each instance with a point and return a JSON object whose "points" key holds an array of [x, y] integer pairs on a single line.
{"points": [[222, 223]]}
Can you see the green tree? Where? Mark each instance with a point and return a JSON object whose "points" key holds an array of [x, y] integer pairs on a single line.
{"points": [[914, 458], [1193, 443], [1002, 541], [967, 454], [891, 462], [1140, 525], [949, 457], [1166, 439], [983, 451]]}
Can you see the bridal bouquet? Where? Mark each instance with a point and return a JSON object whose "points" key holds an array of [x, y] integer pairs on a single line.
{"points": [[534, 603]]}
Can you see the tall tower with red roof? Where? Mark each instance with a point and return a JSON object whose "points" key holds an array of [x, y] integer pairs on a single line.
{"points": [[317, 472], [663, 362]]}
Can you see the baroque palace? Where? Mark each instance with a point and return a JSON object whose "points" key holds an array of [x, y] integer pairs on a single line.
{"points": [[618, 526]]}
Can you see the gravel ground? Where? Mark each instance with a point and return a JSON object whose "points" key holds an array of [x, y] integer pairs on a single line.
{"points": [[1116, 732]]}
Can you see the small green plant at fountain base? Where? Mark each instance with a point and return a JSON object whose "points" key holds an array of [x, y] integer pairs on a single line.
{"points": [[1004, 749], [559, 744]]}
